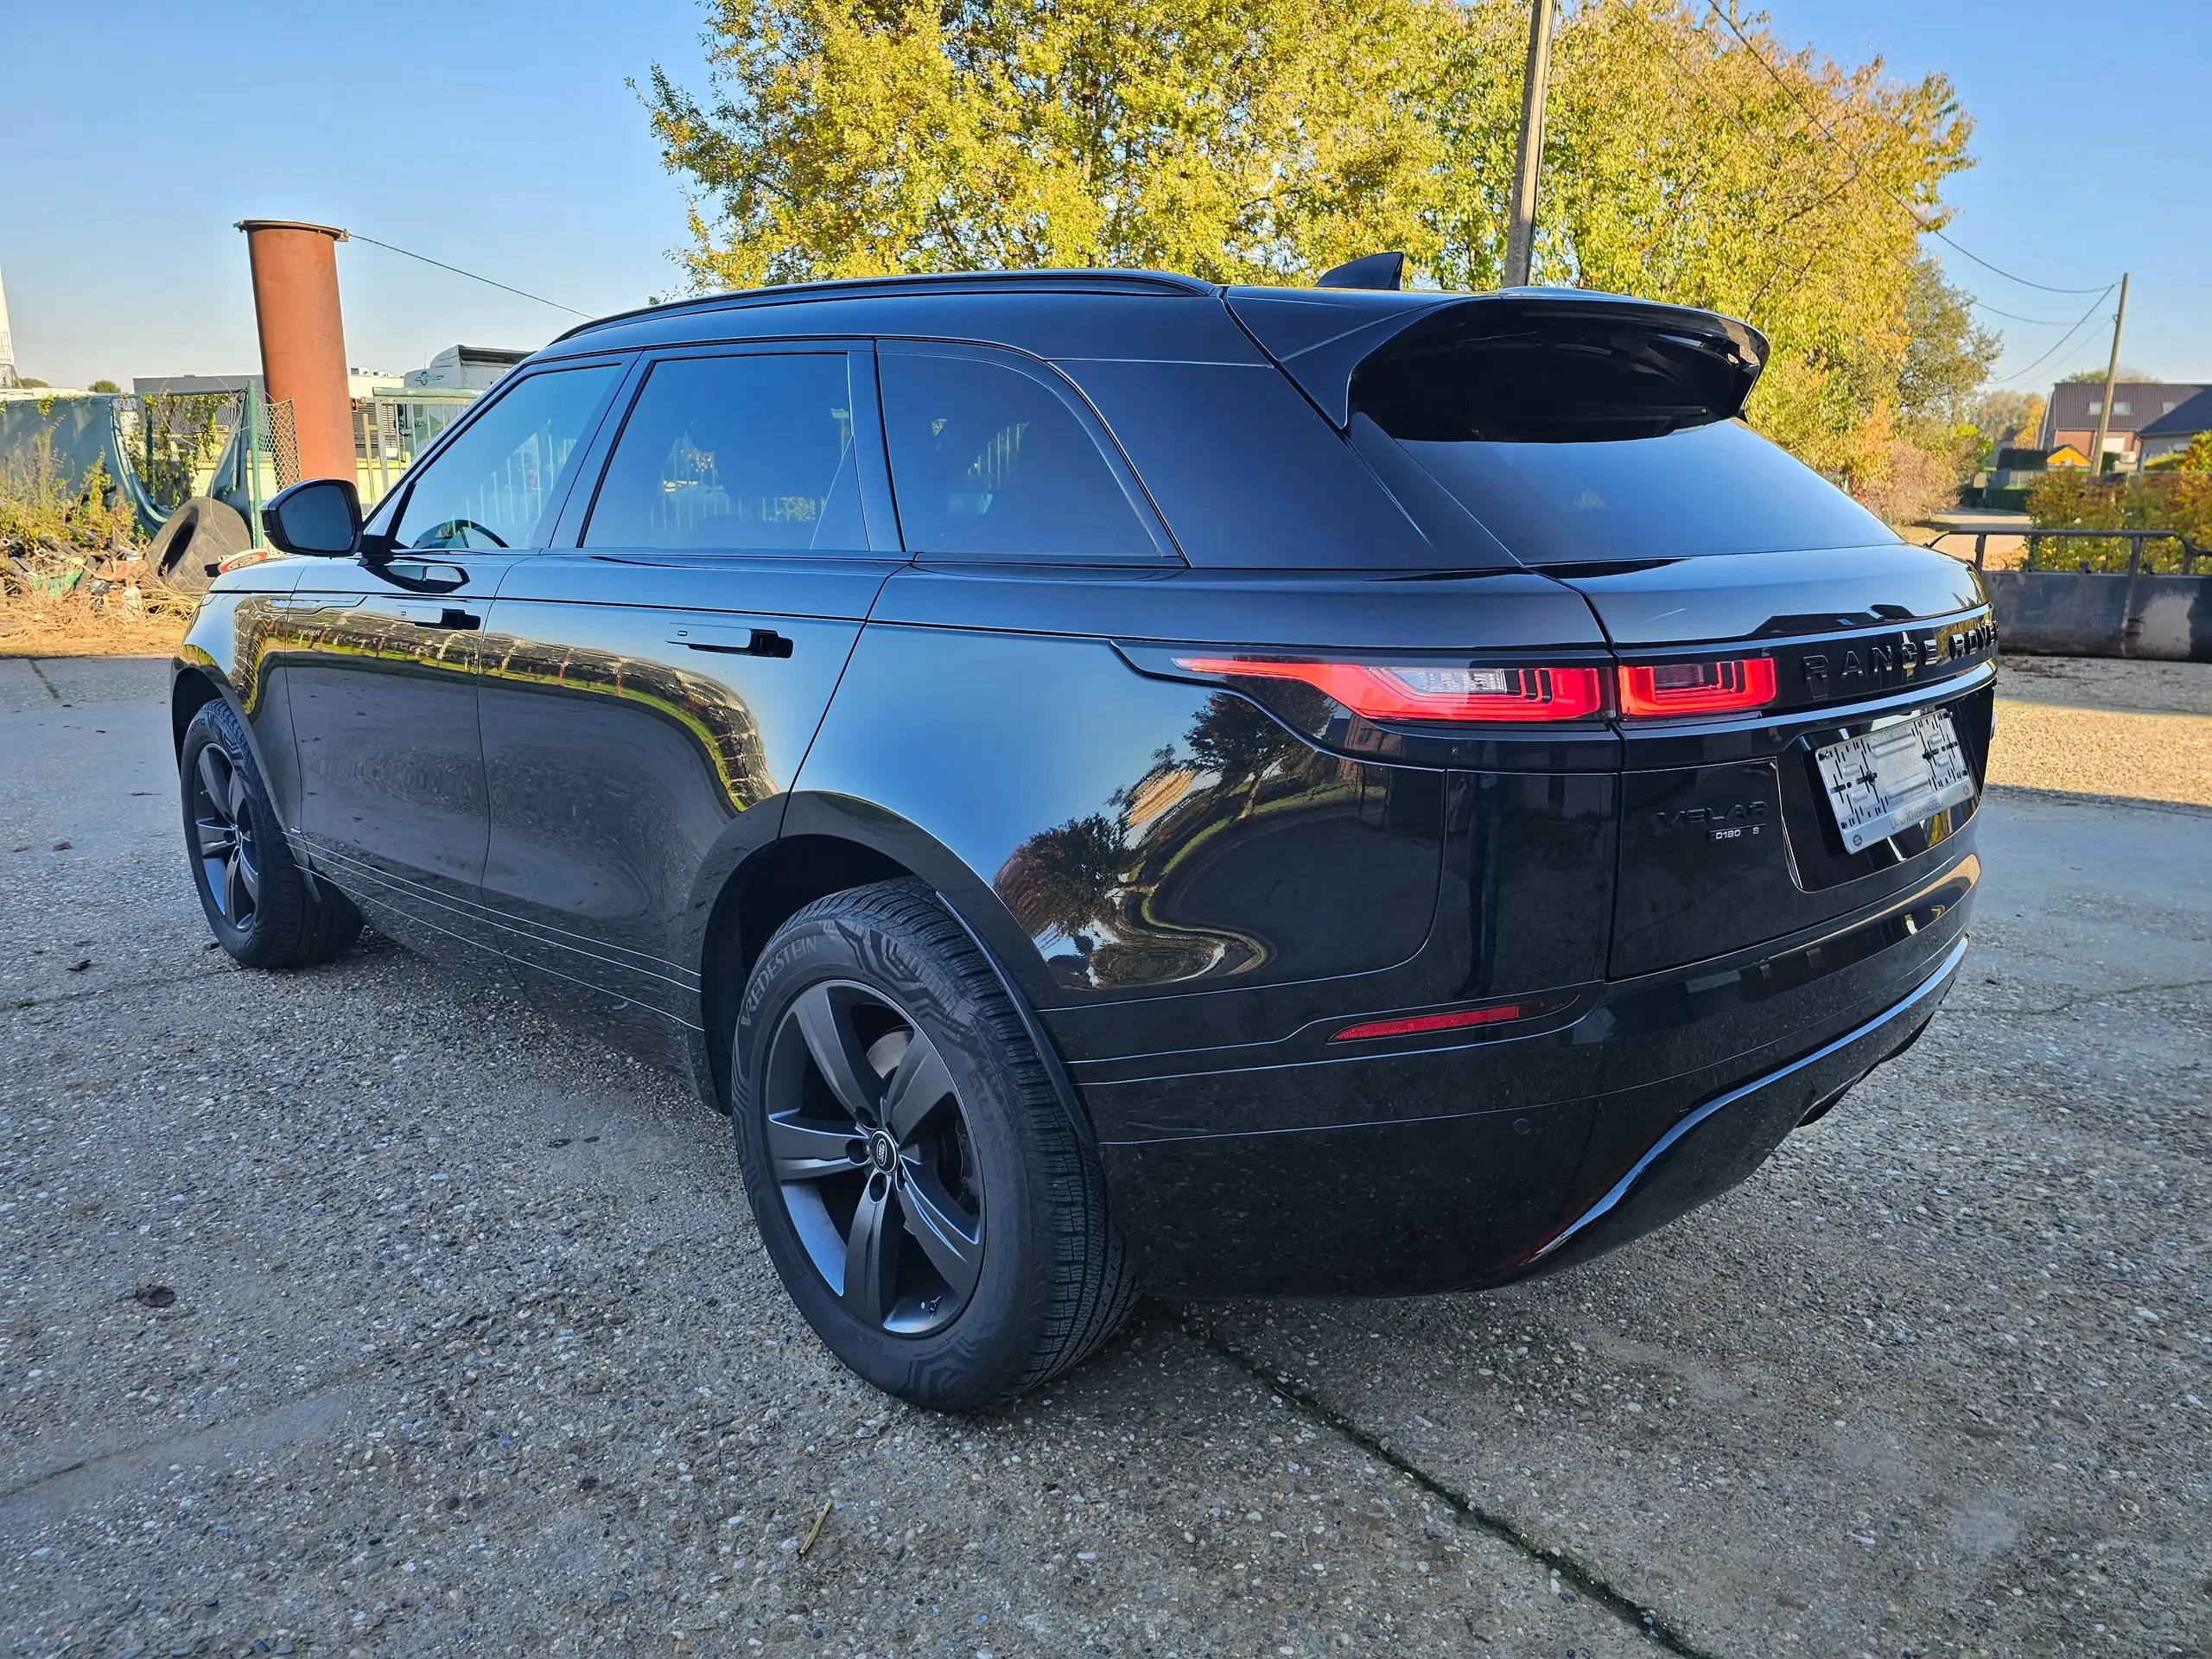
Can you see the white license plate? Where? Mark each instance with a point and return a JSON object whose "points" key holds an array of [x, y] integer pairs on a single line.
{"points": [[1903, 772]]}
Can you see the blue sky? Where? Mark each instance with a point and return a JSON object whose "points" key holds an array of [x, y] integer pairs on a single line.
{"points": [[500, 137]]}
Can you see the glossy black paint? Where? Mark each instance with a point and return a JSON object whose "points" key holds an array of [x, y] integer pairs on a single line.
{"points": [[617, 769]]}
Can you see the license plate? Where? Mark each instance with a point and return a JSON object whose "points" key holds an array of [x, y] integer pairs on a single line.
{"points": [[1903, 772]]}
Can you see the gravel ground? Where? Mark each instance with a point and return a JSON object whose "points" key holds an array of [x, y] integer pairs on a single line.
{"points": [[2092, 726], [2108, 683], [361, 1310]]}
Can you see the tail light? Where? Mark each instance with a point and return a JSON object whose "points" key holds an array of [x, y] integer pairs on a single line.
{"points": [[1424, 691], [1727, 686]]}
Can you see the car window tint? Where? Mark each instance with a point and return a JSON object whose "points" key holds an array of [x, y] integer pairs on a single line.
{"points": [[491, 485], [1719, 488], [748, 452], [990, 459]]}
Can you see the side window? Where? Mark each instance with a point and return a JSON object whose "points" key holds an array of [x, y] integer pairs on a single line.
{"points": [[744, 453], [989, 459], [491, 485]]}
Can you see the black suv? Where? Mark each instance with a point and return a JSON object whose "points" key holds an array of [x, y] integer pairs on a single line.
{"points": [[1120, 784]]}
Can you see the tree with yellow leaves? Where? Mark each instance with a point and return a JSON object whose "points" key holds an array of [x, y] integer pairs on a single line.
{"points": [[1263, 141]]}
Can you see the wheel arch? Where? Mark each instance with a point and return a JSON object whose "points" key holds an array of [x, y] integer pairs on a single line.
{"points": [[829, 845], [191, 688]]}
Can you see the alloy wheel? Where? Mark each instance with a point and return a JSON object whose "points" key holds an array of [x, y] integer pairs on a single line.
{"points": [[226, 836], [873, 1157]]}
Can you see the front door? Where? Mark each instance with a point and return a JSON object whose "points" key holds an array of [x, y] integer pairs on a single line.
{"points": [[382, 657], [649, 690]]}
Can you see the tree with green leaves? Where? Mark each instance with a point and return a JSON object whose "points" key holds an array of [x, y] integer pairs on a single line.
{"points": [[1687, 158]]}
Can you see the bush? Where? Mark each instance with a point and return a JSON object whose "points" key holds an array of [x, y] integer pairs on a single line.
{"points": [[2070, 499]]}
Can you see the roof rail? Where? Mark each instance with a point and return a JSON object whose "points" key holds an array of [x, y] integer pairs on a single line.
{"points": [[854, 288]]}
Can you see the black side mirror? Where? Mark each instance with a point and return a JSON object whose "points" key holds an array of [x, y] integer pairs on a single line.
{"points": [[321, 518]]}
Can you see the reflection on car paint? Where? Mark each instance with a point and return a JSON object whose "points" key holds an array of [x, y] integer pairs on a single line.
{"points": [[1129, 895], [704, 708]]}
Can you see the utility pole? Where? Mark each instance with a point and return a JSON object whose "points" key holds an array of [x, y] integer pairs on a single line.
{"points": [[1528, 158], [2111, 373]]}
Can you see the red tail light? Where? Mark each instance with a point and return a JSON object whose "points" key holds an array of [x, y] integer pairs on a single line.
{"points": [[1707, 688], [1425, 692], [1428, 1022]]}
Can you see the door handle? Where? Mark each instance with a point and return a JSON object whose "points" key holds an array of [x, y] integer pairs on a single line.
{"points": [[765, 642], [451, 617]]}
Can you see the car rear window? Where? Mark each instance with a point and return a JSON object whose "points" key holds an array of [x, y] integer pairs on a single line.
{"points": [[1716, 488], [990, 459]]}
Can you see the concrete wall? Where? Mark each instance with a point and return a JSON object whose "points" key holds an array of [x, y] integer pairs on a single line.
{"points": [[2066, 613]]}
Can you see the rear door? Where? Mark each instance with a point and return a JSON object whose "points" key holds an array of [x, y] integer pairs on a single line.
{"points": [[1144, 837], [382, 654], [651, 682]]}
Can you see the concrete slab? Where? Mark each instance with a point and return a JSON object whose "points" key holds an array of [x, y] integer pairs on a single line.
{"points": [[363, 1310]]}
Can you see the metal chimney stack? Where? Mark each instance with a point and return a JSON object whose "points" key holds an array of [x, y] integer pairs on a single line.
{"points": [[304, 337]]}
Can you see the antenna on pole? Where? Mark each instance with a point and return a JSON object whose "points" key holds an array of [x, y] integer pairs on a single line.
{"points": [[1528, 157]]}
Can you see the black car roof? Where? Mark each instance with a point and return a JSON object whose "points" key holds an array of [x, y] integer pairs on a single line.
{"points": [[1319, 336], [1141, 283]]}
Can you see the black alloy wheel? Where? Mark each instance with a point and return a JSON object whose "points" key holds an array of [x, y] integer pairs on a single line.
{"points": [[874, 1159], [929, 1199], [226, 836], [259, 905]]}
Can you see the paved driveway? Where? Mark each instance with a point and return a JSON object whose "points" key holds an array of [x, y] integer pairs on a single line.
{"points": [[362, 1310]]}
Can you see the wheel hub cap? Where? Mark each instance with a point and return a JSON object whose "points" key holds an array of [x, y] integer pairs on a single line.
{"points": [[872, 1155]]}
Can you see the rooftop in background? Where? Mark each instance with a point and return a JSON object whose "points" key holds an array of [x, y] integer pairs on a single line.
{"points": [[359, 382], [2173, 430], [2076, 404]]}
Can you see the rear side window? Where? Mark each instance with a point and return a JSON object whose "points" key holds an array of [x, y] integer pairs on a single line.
{"points": [[1718, 488], [745, 454], [990, 459], [491, 485]]}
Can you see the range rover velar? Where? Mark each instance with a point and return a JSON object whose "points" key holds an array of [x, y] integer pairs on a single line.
{"points": [[1116, 782]]}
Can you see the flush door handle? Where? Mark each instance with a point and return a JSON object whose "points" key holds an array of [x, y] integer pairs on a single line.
{"points": [[764, 642], [451, 617]]}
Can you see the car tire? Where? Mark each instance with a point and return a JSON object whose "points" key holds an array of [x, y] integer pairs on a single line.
{"points": [[954, 1248], [260, 907], [192, 542]]}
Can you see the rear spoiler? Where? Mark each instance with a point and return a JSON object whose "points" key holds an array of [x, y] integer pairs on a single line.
{"points": [[1682, 366]]}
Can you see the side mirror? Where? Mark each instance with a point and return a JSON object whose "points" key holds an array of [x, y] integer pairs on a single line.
{"points": [[320, 518]]}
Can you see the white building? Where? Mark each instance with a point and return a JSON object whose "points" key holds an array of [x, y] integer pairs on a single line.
{"points": [[465, 368]]}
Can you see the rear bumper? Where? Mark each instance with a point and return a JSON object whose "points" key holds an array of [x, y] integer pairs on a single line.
{"points": [[1371, 1175], [1720, 1142]]}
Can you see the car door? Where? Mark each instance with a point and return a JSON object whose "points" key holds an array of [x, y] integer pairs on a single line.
{"points": [[651, 682], [382, 652]]}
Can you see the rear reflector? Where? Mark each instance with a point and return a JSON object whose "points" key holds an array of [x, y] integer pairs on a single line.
{"points": [[1707, 688], [1424, 691], [1428, 1022]]}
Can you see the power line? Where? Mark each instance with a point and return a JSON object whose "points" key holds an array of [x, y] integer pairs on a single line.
{"points": [[2007, 275], [472, 276], [2040, 322], [1775, 75], [2065, 340]]}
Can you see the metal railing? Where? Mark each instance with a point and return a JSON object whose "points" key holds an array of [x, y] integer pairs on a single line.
{"points": [[2190, 552]]}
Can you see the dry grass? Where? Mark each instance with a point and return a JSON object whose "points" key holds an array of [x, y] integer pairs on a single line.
{"points": [[44, 625]]}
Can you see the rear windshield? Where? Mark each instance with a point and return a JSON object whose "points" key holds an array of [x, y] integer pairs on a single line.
{"points": [[1717, 488]]}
